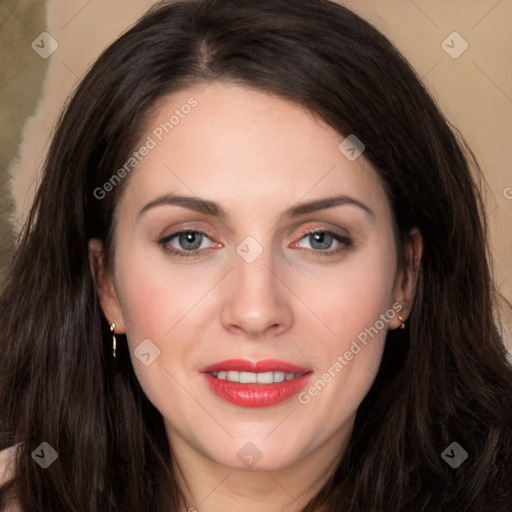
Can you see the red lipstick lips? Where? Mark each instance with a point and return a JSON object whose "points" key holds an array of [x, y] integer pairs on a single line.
{"points": [[255, 383]]}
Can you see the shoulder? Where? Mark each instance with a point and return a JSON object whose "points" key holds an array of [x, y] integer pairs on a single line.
{"points": [[7, 458]]}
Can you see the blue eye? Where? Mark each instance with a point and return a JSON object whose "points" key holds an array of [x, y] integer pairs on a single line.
{"points": [[321, 242], [190, 242]]}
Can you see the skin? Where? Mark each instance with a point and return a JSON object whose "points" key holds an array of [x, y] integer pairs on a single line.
{"points": [[256, 155]]}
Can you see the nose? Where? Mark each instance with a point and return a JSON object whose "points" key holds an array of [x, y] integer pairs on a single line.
{"points": [[257, 300]]}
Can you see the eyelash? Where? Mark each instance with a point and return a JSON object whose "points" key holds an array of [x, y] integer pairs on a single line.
{"points": [[346, 242]]}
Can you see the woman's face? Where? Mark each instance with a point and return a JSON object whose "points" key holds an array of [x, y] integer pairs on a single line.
{"points": [[247, 282]]}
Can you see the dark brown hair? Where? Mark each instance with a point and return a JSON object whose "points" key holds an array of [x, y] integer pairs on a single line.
{"points": [[445, 378]]}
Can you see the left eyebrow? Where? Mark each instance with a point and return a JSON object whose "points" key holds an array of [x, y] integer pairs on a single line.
{"points": [[213, 209], [322, 204]]}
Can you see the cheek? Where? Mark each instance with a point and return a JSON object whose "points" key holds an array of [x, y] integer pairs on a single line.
{"points": [[355, 306], [154, 294], [143, 305], [158, 305], [351, 297]]}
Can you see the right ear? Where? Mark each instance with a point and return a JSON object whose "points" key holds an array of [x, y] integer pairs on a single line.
{"points": [[105, 286]]}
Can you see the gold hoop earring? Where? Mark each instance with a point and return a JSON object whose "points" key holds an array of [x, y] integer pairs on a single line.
{"points": [[114, 341], [403, 322]]}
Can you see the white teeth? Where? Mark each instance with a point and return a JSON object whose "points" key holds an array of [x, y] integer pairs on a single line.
{"points": [[278, 376], [247, 378], [252, 378], [265, 378], [233, 376]]}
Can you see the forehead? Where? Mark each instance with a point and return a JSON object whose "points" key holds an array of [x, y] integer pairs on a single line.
{"points": [[247, 148]]}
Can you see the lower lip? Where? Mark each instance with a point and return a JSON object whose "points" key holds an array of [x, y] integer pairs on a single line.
{"points": [[256, 395]]}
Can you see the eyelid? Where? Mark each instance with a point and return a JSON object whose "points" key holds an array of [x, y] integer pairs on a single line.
{"points": [[166, 239], [345, 241]]}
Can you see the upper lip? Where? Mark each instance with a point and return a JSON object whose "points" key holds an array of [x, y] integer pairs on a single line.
{"points": [[244, 365]]}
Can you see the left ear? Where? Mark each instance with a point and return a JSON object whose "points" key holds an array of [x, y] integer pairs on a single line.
{"points": [[405, 284]]}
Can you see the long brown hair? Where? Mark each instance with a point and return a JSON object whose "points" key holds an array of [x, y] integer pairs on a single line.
{"points": [[444, 378]]}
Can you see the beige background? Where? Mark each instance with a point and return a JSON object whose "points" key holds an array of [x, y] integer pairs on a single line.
{"points": [[474, 90]]}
